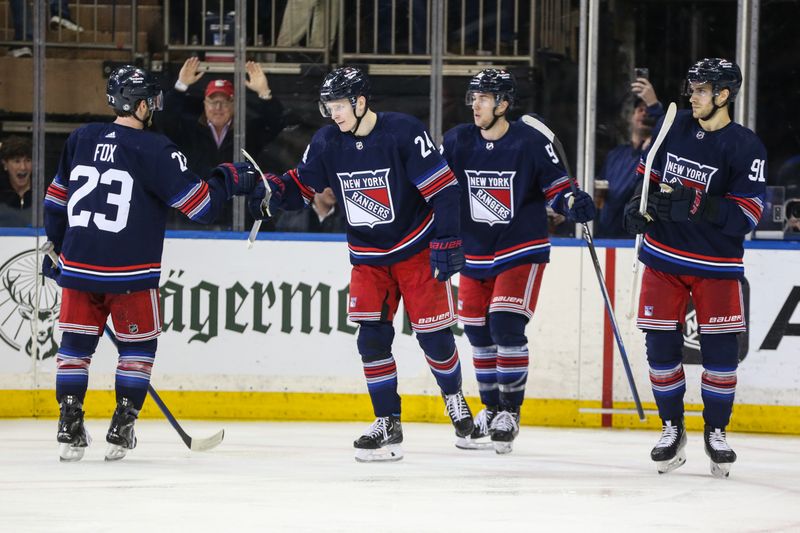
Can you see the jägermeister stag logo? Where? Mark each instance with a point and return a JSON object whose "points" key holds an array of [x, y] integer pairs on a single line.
{"points": [[18, 307]]}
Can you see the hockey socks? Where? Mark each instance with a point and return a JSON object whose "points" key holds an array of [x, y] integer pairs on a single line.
{"points": [[134, 367], [512, 373], [484, 359], [442, 357], [72, 365]]}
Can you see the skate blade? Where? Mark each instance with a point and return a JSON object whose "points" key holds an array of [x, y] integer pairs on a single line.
{"points": [[115, 452], [720, 470], [467, 443], [67, 453], [502, 448], [392, 452], [665, 467]]}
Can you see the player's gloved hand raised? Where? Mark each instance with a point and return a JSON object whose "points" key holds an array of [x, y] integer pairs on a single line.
{"points": [[580, 206], [447, 257], [263, 201], [682, 204], [632, 220], [239, 178]]}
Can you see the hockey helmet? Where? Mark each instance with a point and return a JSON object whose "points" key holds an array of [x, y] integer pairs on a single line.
{"points": [[344, 82], [496, 81], [127, 85], [720, 73]]}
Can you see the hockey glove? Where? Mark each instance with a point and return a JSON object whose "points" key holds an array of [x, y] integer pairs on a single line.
{"points": [[683, 204], [50, 270], [262, 203], [579, 206], [239, 178], [632, 220], [447, 257]]}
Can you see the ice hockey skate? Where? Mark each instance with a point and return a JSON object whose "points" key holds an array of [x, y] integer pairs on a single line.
{"points": [[455, 406], [121, 436], [479, 439], [381, 441], [718, 450], [668, 452], [504, 429], [72, 435]]}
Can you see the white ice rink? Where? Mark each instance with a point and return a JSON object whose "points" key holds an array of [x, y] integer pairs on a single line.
{"points": [[302, 477]]}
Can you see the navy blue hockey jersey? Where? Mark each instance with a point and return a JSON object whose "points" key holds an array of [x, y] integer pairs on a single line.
{"points": [[506, 185], [106, 207], [729, 163], [383, 181]]}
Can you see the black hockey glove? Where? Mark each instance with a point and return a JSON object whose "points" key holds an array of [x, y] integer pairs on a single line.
{"points": [[633, 221], [239, 178], [447, 257], [50, 270], [262, 203], [579, 206], [683, 204]]}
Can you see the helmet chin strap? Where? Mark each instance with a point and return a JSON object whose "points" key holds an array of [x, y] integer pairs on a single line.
{"points": [[358, 120], [146, 122], [715, 108], [494, 119]]}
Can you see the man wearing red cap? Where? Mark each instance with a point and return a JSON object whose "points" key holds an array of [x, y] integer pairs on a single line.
{"points": [[204, 131]]}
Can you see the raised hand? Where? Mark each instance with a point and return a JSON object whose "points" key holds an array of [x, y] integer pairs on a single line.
{"points": [[190, 72]]}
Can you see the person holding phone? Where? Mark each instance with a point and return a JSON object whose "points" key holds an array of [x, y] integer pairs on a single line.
{"points": [[619, 168]]}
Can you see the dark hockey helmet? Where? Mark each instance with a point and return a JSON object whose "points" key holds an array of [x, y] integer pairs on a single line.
{"points": [[127, 85], [496, 81], [720, 73], [344, 82]]}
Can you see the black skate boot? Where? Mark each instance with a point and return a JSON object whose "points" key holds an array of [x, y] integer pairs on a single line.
{"points": [[455, 406], [381, 441], [504, 429], [717, 449], [668, 452], [479, 438], [120, 436], [72, 435]]}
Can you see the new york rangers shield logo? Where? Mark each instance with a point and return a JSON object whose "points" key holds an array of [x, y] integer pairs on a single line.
{"points": [[687, 172], [367, 197], [491, 195]]}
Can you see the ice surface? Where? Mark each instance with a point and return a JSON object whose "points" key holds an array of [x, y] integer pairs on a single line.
{"points": [[302, 477]]}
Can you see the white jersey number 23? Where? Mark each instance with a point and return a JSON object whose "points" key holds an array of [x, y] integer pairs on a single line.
{"points": [[122, 199]]}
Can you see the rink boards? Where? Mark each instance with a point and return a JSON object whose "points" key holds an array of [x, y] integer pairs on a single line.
{"points": [[263, 334]]}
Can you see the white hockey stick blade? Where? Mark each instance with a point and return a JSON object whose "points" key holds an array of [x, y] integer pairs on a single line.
{"points": [[253, 234], [264, 203], [669, 118], [539, 126], [203, 445]]}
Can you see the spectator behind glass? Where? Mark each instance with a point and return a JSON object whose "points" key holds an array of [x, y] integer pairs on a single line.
{"points": [[307, 19], [322, 216], [203, 130], [23, 23], [619, 168], [15, 196]]}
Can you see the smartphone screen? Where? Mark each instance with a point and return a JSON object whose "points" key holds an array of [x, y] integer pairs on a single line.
{"points": [[642, 72]]}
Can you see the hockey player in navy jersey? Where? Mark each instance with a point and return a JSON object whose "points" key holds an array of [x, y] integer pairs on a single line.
{"points": [[401, 202], [508, 172], [105, 212], [706, 194]]}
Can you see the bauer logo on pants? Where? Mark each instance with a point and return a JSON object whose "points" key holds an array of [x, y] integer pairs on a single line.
{"points": [[491, 196], [367, 197]]}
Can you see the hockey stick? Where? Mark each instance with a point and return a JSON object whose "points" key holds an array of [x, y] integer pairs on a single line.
{"points": [[669, 118], [196, 445], [264, 203], [539, 126]]}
